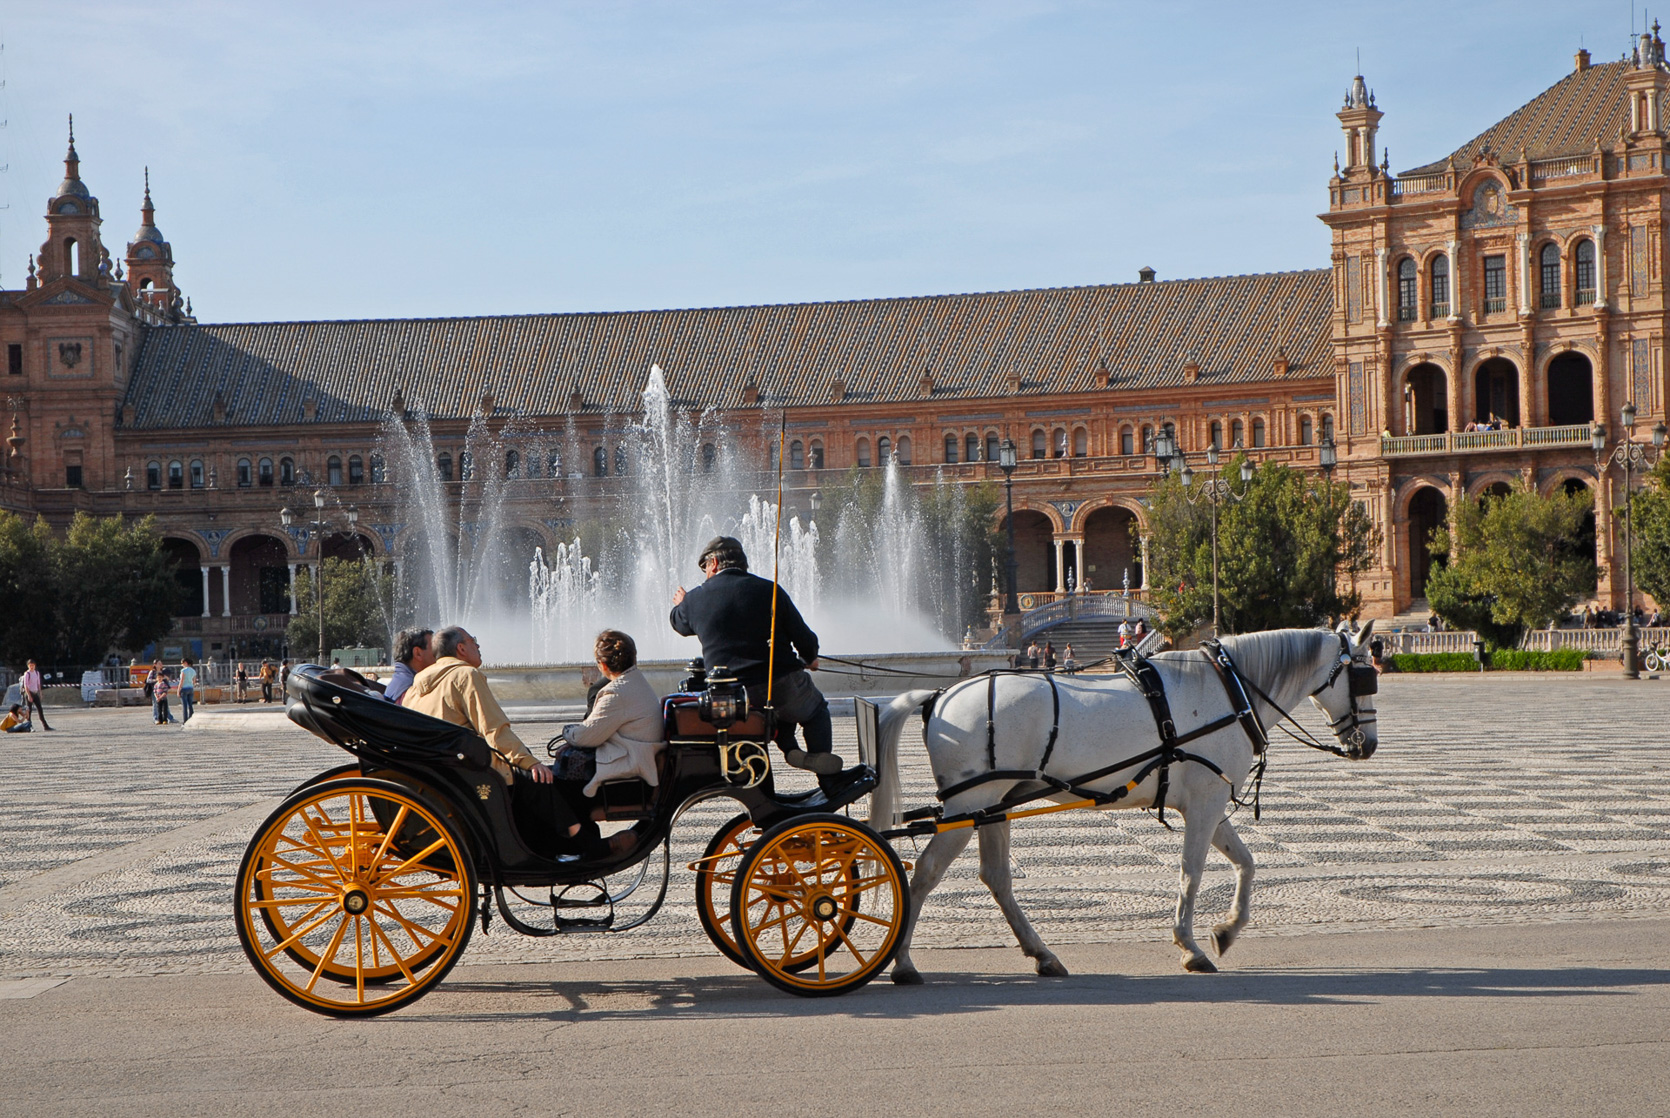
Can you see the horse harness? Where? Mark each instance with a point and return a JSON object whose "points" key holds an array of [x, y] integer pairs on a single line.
{"points": [[1146, 678]]}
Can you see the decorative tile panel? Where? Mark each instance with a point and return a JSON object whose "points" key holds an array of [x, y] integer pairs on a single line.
{"points": [[1353, 290], [1357, 391], [1641, 380]]}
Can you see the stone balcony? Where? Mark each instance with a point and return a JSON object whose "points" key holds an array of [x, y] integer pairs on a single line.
{"points": [[1479, 442]]}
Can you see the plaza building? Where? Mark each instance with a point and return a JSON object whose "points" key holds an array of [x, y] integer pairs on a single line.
{"points": [[1515, 284]]}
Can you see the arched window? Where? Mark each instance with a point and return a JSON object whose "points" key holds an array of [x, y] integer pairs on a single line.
{"points": [[902, 452], [333, 470], [1258, 432], [710, 457], [1440, 286], [1215, 434], [246, 474], [1081, 443], [951, 448], [466, 465], [443, 467], [861, 452], [1060, 441], [600, 462], [286, 471], [176, 476], [197, 473], [1550, 276], [817, 454], [1327, 425], [1127, 441], [379, 470], [1237, 433], [153, 475], [264, 473], [553, 462], [1305, 430], [1408, 298], [971, 447], [797, 455], [1585, 277], [992, 453], [356, 470], [620, 461], [512, 464], [72, 256], [1040, 445], [884, 450]]}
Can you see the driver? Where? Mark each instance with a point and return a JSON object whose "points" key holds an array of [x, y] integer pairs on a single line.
{"points": [[731, 613]]}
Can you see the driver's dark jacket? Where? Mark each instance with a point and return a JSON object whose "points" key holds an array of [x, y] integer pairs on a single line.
{"points": [[731, 613]]}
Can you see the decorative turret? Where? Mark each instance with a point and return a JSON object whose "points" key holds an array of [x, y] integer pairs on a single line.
{"points": [[72, 245], [1360, 120], [1647, 82], [151, 259]]}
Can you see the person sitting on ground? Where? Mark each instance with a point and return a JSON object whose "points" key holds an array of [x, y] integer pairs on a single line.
{"points": [[454, 689], [622, 732], [16, 721], [411, 656]]}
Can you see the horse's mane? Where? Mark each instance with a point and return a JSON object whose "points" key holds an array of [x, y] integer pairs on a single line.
{"points": [[1277, 654]]}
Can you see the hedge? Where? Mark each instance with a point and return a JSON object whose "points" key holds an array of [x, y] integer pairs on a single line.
{"points": [[1502, 660]]}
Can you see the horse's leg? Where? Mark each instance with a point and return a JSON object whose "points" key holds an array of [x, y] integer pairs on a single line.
{"points": [[1199, 825], [1228, 841], [942, 850], [995, 872]]}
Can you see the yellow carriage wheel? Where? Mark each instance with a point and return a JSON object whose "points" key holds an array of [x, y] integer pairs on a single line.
{"points": [[355, 897], [715, 875], [819, 905]]}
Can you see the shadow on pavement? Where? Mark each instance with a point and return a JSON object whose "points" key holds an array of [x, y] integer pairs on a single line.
{"points": [[953, 992]]}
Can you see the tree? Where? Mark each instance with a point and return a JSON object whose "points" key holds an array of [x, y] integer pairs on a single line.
{"points": [[26, 590], [1512, 562], [1283, 551], [1652, 533], [359, 601]]}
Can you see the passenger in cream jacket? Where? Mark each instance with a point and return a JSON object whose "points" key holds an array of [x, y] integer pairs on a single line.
{"points": [[624, 728]]}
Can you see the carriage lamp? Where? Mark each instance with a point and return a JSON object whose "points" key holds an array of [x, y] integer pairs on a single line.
{"points": [[1630, 457], [1007, 461], [724, 703]]}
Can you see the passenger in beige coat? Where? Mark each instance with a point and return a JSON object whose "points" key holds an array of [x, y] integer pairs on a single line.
{"points": [[624, 727], [454, 690]]}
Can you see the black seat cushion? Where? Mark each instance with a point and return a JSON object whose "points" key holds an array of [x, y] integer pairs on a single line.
{"points": [[347, 709]]}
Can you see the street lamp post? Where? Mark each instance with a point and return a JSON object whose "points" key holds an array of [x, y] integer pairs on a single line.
{"points": [[1007, 461], [1630, 456], [1214, 490], [318, 525]]}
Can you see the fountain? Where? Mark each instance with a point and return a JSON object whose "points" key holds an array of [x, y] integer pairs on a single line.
{"points": [[634, 539]]}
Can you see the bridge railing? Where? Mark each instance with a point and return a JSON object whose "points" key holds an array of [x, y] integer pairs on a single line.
{"points": [[1070, 608]]}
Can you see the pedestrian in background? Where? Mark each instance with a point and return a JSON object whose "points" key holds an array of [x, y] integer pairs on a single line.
{"points": [[163, 686], [188, 689], [240, 684], [32, 693], [268, 673]]}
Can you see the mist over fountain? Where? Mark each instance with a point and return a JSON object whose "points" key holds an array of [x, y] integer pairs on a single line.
{"points": [[471, 559]]}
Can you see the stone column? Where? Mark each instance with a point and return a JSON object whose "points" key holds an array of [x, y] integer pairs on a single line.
{"points": [[1599, 233], [1384, 317], [1603, 370], [1524, 270], [1457, 397], [1143, 550], [226, 590], [1060, 566], [205, 572], [1455, 278], [292, 589]]}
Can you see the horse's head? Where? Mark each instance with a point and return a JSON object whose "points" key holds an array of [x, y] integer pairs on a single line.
{"points": [[1346, 697]]}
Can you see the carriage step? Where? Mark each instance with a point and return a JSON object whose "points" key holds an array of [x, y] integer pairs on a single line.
{"points": [[584, 924]]}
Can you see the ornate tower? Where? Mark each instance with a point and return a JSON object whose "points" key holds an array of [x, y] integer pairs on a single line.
{"points": [[1360, 120], [72, 245], [150, 259]]}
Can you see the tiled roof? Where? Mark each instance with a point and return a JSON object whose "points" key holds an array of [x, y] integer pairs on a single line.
{"points": [[1054, 338], [1565, 119]]}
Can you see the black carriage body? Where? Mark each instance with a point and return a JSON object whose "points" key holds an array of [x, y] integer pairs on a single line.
{"points": [[450, 765]]}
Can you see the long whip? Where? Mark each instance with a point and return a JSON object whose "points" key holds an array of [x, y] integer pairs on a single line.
{"points": [[776, 551]]}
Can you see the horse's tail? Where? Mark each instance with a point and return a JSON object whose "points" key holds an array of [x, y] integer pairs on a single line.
{"points": [[884, 801]]}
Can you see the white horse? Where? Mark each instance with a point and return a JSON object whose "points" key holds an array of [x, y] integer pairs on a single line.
{"points": [[990, 740]]}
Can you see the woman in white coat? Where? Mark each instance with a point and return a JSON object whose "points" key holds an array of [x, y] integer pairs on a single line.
{"points": [[624, 729]]}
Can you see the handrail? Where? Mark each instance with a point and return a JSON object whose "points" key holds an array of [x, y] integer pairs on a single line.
{"points": [[1069, 608]]}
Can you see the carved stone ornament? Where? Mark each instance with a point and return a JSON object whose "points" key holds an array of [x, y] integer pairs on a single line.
{"points": [[70, 354]]}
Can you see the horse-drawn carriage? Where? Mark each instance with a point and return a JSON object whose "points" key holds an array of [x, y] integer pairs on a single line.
{"points": [[360, 892]]}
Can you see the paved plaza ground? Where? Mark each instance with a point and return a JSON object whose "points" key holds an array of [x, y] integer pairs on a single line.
{"points": [[1479, 915]]}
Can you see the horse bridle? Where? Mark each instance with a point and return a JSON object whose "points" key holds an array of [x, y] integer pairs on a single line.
{"points": [[1360, 680]]}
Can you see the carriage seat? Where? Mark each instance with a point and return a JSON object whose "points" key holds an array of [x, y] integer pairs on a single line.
{"points": [[345, 708]]}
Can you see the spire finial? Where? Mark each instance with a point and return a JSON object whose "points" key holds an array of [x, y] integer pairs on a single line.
{"points": [[72, 130], [147, 183]]}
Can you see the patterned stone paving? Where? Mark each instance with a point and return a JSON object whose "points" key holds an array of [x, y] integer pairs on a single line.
{"points": [[1502, 799]]}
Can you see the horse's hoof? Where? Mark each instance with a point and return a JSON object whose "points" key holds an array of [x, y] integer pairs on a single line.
{"points": [[911, 977], [1199, 964], [1051, 967], [1223, 938]]}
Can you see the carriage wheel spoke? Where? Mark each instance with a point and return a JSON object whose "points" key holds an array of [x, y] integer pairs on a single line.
{"points": [[336, 863], [394, 952], [327, 955], [394, 828], [418, 857], [298, 933], [359, 962], [855, 914], [415, 929], [857, 954]]}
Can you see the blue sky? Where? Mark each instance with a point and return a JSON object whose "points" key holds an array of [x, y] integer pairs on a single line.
{"points": [[363, 159]]}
